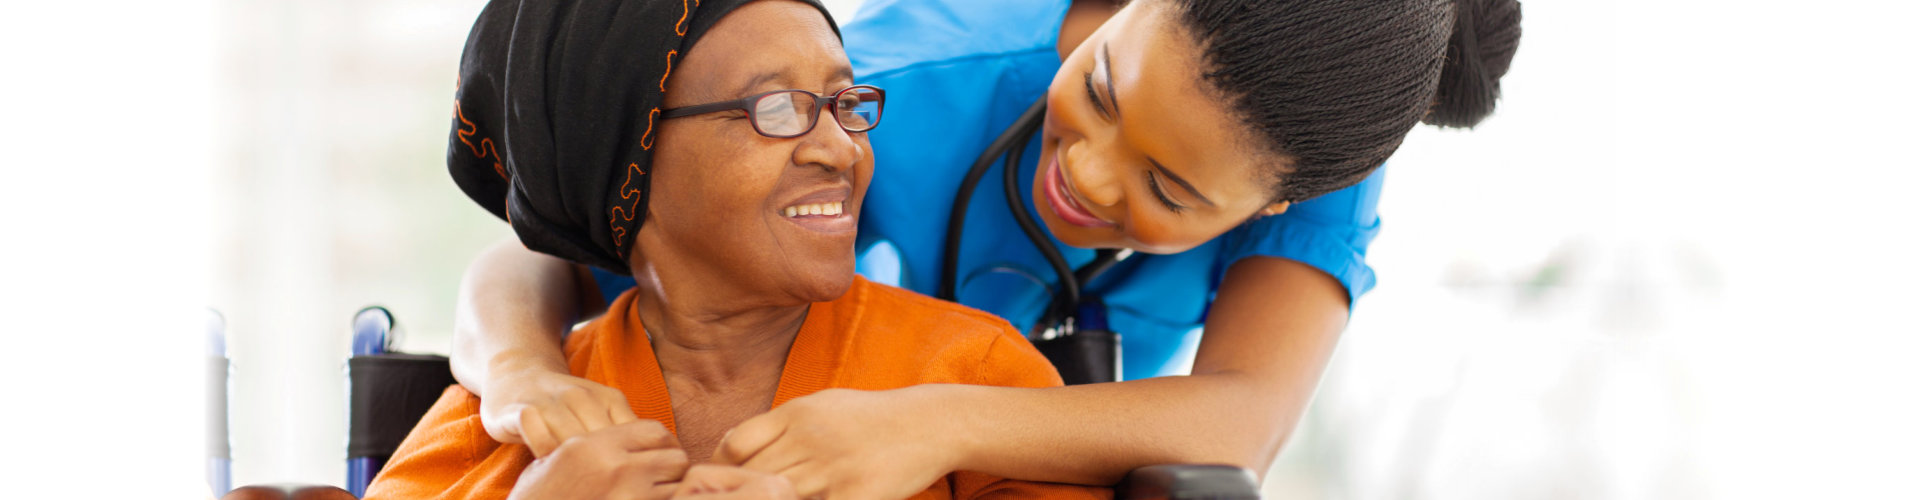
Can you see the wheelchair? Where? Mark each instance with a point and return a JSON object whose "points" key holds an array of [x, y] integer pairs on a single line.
{"points": [[388, 392], [219, 460]]}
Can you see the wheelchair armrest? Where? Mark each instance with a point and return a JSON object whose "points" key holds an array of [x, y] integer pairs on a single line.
{"points": [[1187, 482], [387, 395]]}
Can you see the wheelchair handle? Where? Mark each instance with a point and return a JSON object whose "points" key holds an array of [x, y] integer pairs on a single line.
{"points": [[373, 331]]}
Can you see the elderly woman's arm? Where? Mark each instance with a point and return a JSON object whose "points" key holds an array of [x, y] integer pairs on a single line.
{"points": [[514, 304]]}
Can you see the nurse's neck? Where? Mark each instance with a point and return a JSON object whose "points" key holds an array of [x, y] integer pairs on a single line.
{"points": [[1083, 18]]}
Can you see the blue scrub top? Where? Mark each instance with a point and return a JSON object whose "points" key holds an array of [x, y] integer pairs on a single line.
{"points": [[957, 73]]}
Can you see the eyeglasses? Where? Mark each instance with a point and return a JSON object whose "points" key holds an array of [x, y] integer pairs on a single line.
{"points": [[782, 114]]}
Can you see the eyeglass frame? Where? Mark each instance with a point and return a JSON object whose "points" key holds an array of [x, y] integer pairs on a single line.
{"points": [[746, 104]]}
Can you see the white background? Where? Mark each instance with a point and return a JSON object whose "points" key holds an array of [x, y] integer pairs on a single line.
{"points": [[1679, 262]]}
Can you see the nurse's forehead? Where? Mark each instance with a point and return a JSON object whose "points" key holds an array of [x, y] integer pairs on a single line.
{"points": [[1190, 127]]}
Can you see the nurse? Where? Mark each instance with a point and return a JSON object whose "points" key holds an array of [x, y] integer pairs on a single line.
{"points": [[1235, 145]]}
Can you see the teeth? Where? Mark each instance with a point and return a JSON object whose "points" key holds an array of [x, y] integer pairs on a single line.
{"points": [[827, 209]]}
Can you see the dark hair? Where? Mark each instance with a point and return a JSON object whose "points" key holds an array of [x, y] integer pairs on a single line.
{"points": [[1335, 85]]}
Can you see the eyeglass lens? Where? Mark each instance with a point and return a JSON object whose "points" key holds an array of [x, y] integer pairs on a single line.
{"points": [[788, 113]]}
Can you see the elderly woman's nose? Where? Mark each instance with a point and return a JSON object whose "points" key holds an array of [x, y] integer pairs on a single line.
{"points": [[828, 144]]}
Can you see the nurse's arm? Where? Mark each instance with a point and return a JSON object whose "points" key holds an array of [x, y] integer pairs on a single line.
{"points": [[513, 306], [1269, 334]]}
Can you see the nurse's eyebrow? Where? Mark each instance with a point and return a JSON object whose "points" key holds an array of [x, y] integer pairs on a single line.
{"points": [[1104, 54], [1177, 180]]}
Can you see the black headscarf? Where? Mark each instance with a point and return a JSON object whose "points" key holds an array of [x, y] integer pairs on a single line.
{"points": [[554, 120]]}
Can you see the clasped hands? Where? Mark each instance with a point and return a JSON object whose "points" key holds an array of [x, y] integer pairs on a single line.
{"points": [[638, 460]]}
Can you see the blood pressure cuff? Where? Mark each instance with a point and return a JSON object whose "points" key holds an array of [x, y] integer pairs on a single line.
{"points": [[387, 395], [556, 110]]}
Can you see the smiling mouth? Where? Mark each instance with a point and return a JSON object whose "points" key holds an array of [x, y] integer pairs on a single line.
{"points": [[830, 217], [829, 209], [1065, 204]]}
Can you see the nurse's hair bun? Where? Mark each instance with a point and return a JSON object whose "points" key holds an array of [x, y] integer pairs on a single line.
{"points": [[1485, 35], [1331, 88]]}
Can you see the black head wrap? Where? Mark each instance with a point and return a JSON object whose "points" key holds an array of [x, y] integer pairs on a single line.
{"points": [[553, 122]]}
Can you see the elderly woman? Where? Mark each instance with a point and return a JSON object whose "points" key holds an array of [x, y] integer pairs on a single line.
{"points": [[717, 152]]}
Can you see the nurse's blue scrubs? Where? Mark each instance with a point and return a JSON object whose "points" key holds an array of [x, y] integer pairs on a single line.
{"points": [[957, 73]]}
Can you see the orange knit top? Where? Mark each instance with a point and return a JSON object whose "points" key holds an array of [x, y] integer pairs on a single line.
{"points": [[874, 337]]}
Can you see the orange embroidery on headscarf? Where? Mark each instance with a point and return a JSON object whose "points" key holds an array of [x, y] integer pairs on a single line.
{"points": [[663, 76], [680, 28], [485, 148], [646, 139], [619, 216]]}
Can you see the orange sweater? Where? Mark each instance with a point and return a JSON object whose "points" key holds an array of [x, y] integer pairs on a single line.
{"points": [[873, 338]]}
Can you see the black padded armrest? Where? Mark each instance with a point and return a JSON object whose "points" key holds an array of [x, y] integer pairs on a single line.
{"points": [[1188, 482], [388, 394]]}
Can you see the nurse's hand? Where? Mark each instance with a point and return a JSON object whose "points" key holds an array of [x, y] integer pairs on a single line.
{"points": [[845, 444], [636, 460], [544, 409]]}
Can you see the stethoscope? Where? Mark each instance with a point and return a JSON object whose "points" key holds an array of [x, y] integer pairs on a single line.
{"points": [[1066, 306]]}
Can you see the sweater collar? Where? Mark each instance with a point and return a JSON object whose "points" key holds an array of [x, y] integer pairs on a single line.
{"points": [[622, 357]]}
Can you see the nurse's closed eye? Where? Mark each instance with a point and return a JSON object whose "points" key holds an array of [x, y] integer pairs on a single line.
{"points": [[1094, 98], [1105, 65], [1161, 190], [1161, 193]]}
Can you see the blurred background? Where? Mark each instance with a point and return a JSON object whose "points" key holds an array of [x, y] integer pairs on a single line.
{"points": [[1677, 263]]}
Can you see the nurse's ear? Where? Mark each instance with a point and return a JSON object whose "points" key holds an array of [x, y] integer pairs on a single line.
{"points": [[1271, 210]]}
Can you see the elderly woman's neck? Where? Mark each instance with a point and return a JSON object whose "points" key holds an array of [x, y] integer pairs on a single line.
{"points": [[704, 335], [720, 354]]}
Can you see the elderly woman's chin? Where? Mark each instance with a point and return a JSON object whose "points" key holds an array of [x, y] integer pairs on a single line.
{"points": [[820, 280], [814, 251]]}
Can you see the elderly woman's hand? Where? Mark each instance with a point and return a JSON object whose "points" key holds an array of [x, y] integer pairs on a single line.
{"points": [[848, 444], [633, 461], [543, 409]]}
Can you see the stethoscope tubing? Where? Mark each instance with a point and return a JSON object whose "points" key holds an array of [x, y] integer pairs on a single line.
{"points": [[1022, 128], [1008, 149]]}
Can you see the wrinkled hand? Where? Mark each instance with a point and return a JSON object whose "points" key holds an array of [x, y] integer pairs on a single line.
{"points": [[848, 445], [544, 409], [633, 461], [724, 482]]}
